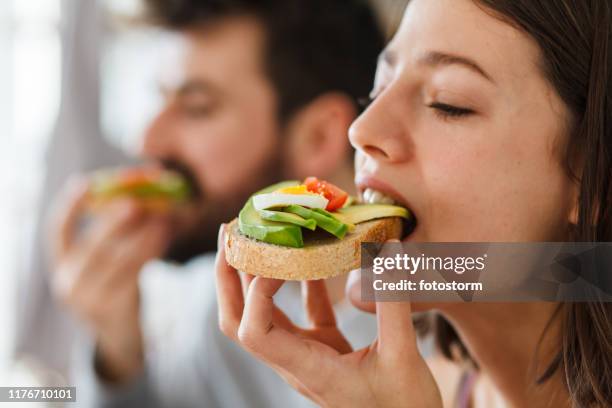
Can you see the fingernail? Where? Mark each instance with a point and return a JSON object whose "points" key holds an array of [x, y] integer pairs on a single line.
{"points": [[353, 283], [353, 277]]}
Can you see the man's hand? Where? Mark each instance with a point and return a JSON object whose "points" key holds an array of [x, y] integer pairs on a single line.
{"points": [[96, 270]]}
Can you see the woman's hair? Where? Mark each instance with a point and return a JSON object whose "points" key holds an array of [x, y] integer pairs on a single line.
{"points": [[575, 41]]}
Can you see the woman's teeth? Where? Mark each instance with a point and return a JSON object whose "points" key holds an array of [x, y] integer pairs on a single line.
{"points": [[371, 196]]}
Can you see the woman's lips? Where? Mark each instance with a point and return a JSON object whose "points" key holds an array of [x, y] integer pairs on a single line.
{"points": [[364, 182], [373, 190]]}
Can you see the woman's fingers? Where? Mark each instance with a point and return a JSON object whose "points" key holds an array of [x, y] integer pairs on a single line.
{"points": [[246, 280], [229, 291], [317, 304], [302, 357], [259, 311], [395, 329], [260, 334], [280, 318], [353, 292]]}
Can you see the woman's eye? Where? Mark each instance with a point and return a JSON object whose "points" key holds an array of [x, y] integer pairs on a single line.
{"points": [[450, 111]]}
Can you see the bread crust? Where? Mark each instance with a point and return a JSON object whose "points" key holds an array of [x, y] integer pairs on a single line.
{"points": [[318, 259]]}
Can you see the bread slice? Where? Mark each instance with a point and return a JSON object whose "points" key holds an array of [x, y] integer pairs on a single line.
{"points": [[157, 205], [320, 258]]}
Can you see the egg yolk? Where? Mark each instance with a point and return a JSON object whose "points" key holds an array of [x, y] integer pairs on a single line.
{"points": [[301, 189]]}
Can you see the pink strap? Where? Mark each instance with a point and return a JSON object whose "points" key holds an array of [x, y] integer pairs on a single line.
{"points": [[466, 387]]}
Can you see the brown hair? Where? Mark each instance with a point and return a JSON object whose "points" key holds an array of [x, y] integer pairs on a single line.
{"points": [[575, 41], [312, 46]]}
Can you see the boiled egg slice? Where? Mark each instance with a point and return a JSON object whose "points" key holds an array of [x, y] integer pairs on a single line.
{"points": [[297, 195]]}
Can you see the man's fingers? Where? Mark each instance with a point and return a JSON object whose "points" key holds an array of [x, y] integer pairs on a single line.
{"points": [[131, 253], [229, 291], [111, 225], [107, 269], [318, 307], [396, 334], [66, 211], [105, 237]]}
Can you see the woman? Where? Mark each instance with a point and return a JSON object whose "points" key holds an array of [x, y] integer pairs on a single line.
{"points": [[492, 121]]}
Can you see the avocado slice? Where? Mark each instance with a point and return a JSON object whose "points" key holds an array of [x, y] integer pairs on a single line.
{"points": [[355, 214], [329, 224], [254, 226], [288, 218]]}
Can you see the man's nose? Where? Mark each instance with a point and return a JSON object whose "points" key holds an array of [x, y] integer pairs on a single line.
{"points": [[381, 132], [156, 140]]}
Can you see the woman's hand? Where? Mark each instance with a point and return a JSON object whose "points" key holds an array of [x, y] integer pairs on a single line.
{"points": [[319, 362]]}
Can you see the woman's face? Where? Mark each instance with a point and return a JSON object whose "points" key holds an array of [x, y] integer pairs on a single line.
{"points": [[465, 130]]}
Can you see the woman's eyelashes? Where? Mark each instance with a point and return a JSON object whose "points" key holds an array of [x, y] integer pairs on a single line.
{"points": [[447, 111], [444, 110]]}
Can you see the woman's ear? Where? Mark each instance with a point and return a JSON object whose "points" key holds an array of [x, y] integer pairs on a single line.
{"points": [[317, 137], [574, 205], [573, 218]]}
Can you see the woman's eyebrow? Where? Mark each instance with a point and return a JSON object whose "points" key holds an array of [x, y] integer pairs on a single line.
{"points": [[435, 58]]}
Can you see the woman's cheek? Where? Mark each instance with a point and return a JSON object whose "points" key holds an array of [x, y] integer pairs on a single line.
{"points": [[489, 205], [467, 197]]}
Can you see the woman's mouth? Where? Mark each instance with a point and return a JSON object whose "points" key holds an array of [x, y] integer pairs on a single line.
{"points": [[370, 195]]}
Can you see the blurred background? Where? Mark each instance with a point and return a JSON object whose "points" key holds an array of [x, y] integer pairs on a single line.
{"points": [[76, 90]]}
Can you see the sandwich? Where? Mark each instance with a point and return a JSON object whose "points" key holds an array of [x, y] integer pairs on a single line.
{"points": [[157, 189], [306, 231]]}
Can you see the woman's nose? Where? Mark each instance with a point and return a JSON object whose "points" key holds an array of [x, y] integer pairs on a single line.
{"points": [[380, 132]]}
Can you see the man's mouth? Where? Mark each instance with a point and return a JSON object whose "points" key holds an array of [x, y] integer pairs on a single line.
{"points": [[186, 172], [370, 195]]}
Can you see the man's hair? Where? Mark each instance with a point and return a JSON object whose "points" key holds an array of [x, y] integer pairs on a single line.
{"points": [[312, 46]]}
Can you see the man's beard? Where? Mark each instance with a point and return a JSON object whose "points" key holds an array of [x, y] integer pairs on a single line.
{"points": [[201, 235]]}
